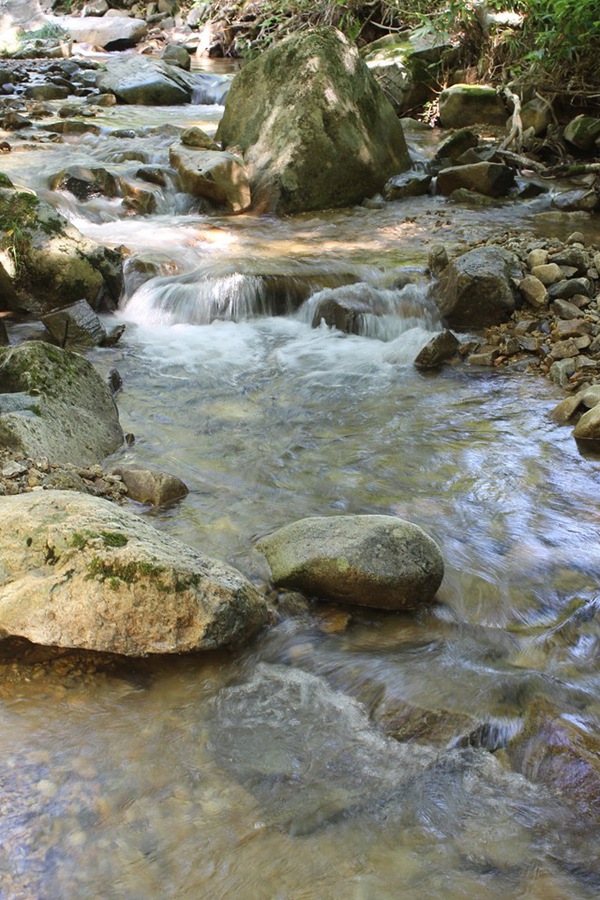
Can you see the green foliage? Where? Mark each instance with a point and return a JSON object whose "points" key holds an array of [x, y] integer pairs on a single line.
{"points": [[563, 29]]}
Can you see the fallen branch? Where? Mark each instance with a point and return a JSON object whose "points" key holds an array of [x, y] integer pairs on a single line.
{"points": [[565, 170], [515, 135]]}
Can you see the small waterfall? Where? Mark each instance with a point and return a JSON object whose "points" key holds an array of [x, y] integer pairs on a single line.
{"points": [[372, 312], [200, 297]]}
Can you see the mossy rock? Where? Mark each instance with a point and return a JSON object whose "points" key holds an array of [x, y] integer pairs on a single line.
{"points": [[315, 128], [70, 415], [49, 263]]}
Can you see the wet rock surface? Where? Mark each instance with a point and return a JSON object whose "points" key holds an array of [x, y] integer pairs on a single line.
{"points": [[78, 571], [375, 561]]}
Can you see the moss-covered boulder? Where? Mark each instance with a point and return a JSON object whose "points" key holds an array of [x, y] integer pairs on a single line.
{"points": [[315, 128], [407, 68], [377, 561], [582, 132], [471, 104], [48, 262], [79, 571], [53, 403]]}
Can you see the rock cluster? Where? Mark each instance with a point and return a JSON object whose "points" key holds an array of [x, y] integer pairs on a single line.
{"points": [[554, 329]]}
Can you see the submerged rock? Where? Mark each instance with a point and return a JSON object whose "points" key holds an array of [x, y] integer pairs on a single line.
{"points": [[561, 754], [56, 405], [377, 561], [78, 571], [315, 128]]}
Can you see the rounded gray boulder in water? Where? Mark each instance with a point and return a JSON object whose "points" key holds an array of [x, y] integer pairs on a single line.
{"points": [[378, 561]]}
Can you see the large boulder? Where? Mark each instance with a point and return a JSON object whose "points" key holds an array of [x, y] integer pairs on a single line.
{"points": [[55, 404], [145, 81], [109, 32], [49, 262], [315, 128], [477, 289], [216, 175], [377, 561], [79, 571], [471, 104]]}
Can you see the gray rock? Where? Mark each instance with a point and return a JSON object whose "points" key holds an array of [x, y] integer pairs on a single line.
{"points": [[471, 104], [565, 310], [490, 179], [534, 291], [377, 561], [68, 415], [75, 326], [156, 488], [476, 289], [217, 175], [79, 571], [570, 287], [343, 307], [582, 132], [112, 31], [84, 182], [320, 132], [537, 115], [406, 68], [408, 184], [437, 351], [453, 147], [561, 371], [590, 397], [145, 81], [177, 56], [588, 427]]}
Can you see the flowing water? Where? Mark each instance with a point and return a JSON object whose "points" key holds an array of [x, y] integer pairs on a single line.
{"points": [[267, 773]]}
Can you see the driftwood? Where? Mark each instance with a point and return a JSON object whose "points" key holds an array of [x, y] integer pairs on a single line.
{"points": [[565, 170], [515, 135]]}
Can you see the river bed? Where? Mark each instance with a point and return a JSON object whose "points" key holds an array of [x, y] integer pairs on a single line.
{"points": [[263, 773]]}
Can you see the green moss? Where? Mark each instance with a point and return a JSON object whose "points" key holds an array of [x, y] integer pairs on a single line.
{"points": [[114, 539], [9, 439], [128, 572], [78, 540]]}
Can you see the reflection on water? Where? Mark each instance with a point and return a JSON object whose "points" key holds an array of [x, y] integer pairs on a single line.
{"points": [[270, 772]]}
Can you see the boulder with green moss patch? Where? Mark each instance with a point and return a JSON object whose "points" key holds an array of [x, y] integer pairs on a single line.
{"points": [[315, 128], [49, 263], [78, 571], [471, 104], [55, 404]]}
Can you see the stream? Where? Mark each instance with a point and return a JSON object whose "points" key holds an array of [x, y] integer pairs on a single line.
{"points": [[265, 772]]}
